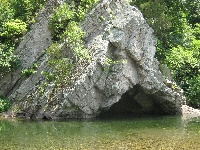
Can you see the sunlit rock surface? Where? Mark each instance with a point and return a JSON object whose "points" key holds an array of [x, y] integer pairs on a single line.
{"points": [[188, 113], [122, 71]]}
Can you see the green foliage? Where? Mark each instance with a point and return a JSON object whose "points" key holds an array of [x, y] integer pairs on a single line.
{"points": [[6, 11], [15, 19], [177, 28], [184, 61], [7, 59], [110, 63], [192, 10], [60, 19], [4, 104], [61, 66], [83, 7], [101, 18], [26, 10], [193, 91], [73, 38], [65, 13], [64, 64], [12, 30], [31, 70]]}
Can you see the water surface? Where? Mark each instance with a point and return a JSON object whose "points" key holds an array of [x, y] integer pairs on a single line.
{"points": [[167, 133]]}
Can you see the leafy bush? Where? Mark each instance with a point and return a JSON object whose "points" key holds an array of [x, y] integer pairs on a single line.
{"points": [[13, 29], [60, 19], [184, 61], [7, 59], [193, 91], [31, 70], [26, 10], [73, 38], [4, 104]]}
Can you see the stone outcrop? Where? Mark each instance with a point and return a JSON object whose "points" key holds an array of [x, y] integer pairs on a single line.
{"points": [[189, 113], [122, 77]]}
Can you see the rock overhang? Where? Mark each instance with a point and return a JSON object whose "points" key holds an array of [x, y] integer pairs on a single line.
{"points": [[122, 49]]}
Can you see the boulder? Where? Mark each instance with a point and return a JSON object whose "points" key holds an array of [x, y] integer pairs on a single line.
{"points": [[123, 75]]}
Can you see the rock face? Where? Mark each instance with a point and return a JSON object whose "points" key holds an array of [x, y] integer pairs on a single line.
{"points": [[122, 77]]}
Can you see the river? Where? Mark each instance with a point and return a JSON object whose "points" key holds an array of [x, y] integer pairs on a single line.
{"points": [[116, 133]]}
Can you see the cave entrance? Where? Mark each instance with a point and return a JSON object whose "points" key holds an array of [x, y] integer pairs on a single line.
{"points": [[134, 102]]}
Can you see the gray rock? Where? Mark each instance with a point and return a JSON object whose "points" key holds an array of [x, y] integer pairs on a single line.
{"points": [[131, 82]]}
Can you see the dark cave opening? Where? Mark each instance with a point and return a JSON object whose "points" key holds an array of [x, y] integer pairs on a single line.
{"points": [[134, 102]]}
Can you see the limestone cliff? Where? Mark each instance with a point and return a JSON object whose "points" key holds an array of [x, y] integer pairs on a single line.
{"points": [[123, 75]]}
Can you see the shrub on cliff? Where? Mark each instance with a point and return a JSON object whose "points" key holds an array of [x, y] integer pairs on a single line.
{"points": [[64, 26], [4, 104]]}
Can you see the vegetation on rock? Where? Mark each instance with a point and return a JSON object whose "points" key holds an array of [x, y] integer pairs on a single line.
{"points": [[176, 25], [67, 55], [4, 104]]}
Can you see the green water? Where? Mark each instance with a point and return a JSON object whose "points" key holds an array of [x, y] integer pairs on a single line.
{"points": [[154, 133]]}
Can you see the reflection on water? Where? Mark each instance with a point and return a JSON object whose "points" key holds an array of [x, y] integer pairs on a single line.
{"points": [[116, 133]]}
